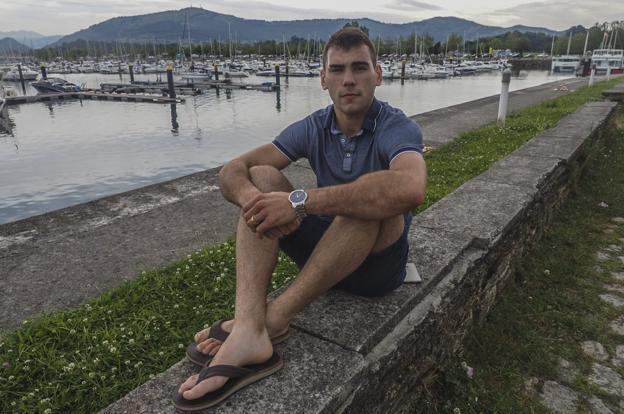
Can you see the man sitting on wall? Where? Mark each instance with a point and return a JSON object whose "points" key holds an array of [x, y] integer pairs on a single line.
{"points": [[349, 233]]}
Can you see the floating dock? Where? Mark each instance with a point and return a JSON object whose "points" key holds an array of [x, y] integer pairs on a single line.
{"points": [[191, 87], [15, 100]]}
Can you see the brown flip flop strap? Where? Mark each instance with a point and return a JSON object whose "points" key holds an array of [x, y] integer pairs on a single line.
{"points": [[217, 332], [229, 371]]}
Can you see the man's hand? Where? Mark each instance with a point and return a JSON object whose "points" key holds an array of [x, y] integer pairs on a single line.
{"points": [[271, 215]]}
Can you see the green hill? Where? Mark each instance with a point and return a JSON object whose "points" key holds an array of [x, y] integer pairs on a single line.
{"points": [[171, 26]]}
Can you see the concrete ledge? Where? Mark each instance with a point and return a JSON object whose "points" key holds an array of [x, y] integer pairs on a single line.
{"points": [[615, 94], [355, 355]]}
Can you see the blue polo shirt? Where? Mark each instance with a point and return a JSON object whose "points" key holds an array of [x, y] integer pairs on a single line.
{"points": [[338, 159]]}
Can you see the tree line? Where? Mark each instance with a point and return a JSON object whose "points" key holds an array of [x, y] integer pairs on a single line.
{"points": [[609, 34]]}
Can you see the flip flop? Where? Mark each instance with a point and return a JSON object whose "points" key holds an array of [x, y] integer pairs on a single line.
{"points": [[199, 358], [239, 377]]}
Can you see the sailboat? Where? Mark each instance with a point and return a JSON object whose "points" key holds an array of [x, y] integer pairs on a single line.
{"points": [[606, 57], [567, 62]]}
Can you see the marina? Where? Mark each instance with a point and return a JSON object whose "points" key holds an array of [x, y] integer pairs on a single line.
{"points": [[60, 153]]}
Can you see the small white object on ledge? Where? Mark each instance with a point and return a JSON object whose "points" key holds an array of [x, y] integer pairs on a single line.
{"points": [[412, 275]]}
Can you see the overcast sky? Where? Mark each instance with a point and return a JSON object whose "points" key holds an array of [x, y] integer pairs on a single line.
{"points": [[50, 17]]}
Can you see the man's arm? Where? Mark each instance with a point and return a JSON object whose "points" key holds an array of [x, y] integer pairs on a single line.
{"points": [[234, 178], [375, 196]]}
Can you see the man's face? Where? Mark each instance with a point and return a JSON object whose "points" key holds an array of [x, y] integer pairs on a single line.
{"points": [[351, 79]]}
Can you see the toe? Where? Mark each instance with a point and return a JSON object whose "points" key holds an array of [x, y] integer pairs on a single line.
{"points": [[212, 348], [188, 384], [204, 387], [202, 335]]}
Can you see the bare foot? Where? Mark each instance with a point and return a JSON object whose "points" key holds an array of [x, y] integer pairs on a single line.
{"points": [[210, 346], [242, 347]]}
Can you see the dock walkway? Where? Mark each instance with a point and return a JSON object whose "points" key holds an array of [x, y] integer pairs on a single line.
{"points": [[15, 100]]}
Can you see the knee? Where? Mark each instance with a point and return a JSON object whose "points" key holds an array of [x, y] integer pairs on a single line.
{"points": [[365, 225], [268, 178]]}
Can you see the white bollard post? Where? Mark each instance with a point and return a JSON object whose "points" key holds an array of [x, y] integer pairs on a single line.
{"points": [[504, 98], [608, 72], [592, 73]]}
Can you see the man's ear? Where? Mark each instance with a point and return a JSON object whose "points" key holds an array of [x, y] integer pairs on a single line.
{"points": [[378, 73], [323, 79]]}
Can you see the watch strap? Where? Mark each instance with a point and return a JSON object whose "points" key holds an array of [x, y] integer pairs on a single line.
{"points": [[300, 211]]}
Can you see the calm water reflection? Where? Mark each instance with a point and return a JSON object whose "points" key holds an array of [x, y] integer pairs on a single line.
{"points": [[64, 153]]}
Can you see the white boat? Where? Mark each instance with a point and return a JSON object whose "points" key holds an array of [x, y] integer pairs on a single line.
{"points": [[235, 74], [565, 63], [27, 73], [608, 58], [197, 76], [389, 70]]}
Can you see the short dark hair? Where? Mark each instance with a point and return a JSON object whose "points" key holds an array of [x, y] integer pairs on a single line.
{"points": [[348, 38]]}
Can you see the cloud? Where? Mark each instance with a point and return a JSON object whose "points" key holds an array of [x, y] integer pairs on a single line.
{"points": [[412, 5], [559, 15]]}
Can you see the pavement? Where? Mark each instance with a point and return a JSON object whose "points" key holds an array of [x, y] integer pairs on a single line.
{"points": [[64, 258]]}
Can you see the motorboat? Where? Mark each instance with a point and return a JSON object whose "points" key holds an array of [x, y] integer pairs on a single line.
{"points": [[608, 58], [27, 73], [235, 74], [55, 85], [565, 63]]}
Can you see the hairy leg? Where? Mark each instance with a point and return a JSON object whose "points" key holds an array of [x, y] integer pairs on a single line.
{"points": [[256, 258], [341, 250]]}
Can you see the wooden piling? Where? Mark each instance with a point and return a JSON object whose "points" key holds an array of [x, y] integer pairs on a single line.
{"points": [[172, 93], [21, 75]]}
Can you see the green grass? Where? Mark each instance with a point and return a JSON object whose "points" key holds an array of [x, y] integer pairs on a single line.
{"points": [[551, 308], [475, 151], [82, 359]]}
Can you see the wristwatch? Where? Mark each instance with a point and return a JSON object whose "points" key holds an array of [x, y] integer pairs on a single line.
{"points": [[298, 198]]}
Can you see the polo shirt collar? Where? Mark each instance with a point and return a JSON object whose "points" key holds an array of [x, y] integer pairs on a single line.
{"points": [[370, 120]]}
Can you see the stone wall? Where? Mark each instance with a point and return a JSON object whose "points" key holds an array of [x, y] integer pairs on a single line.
{"points": [[495, 217]]}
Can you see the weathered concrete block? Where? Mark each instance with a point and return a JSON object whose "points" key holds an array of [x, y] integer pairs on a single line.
{"points": [[530, 173], [309, 381], [481, 209], [359, 323]]}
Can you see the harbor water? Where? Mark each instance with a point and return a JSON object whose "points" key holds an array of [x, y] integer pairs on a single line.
{"points": [[58, 154]]}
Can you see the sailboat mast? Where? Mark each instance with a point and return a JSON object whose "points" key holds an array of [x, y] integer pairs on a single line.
{"points": [[188, 25], [415, 45], [229, 41], [569, 42]]}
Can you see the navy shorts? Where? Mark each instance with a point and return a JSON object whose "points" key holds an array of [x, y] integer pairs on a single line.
{"points": [[380, 272]]}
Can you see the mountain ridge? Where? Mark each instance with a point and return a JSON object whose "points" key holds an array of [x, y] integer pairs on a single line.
{"points": [[30, 38], [205, 25]]}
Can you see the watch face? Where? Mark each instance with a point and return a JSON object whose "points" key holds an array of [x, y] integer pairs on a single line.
{"points": [[297, 196]]}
